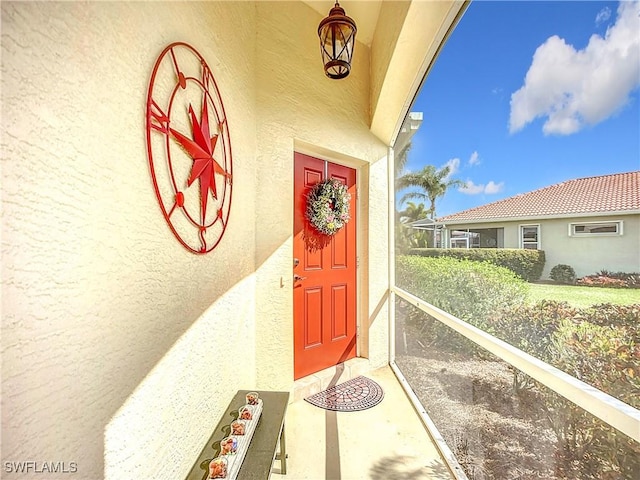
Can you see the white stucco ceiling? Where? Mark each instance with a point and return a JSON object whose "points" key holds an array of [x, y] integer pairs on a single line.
{"points": [[364, 13]]}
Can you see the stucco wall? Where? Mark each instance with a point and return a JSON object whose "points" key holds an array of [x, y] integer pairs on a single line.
{"points": [[384, 42], [300, 108], [119, 348], [116, 341], [588, 255]]}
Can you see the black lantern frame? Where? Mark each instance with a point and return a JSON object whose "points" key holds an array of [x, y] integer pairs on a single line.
{"points": [[337, 34]]}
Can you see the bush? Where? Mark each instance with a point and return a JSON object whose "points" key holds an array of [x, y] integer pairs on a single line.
{"points": [[563, 274], [469, 290], [599, 345], [604, 352], [531, 328], [527, 264], [611, 280]]}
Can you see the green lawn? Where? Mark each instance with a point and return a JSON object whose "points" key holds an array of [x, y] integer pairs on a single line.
{"points": [[583, 296]]}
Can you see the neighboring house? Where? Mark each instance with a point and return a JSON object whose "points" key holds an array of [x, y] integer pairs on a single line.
{"points": [[591, 224]]}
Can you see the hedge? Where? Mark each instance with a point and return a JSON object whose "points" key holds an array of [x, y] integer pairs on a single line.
{"points": [[599, 345], [471, 291], [608, 279], [527, 264]]}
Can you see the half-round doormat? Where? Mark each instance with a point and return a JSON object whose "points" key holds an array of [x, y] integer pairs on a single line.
{"points": [[359, 393]]}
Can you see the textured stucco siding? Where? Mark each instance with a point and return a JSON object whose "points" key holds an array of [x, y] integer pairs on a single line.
{"points": [[299, 105], [120, 349], [384, 43], [116, 341], [590, 254]]}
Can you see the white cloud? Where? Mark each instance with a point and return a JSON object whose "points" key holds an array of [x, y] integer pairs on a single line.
{"points": [[490, 188], [454, 166], [471, 188], [574, 88], [603, 15], [474, 159], [493, 187]]}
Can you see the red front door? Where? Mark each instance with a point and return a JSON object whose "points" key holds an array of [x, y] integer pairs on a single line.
{"points": [[324, 291]]}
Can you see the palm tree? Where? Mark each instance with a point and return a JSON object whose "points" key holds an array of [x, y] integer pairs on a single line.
{"points": [[407, 236], [434, 184], [413, 212], [401, 159]]}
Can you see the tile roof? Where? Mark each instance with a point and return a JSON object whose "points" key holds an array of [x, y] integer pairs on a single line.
{"points": [[608, 193]]}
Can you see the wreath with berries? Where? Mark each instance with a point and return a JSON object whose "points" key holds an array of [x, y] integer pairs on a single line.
{"points": [[328, 206]]}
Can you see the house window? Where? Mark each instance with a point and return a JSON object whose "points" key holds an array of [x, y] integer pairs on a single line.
{"points": [[485, 238], [464, 239], [459, 242], [595, 229], [530, 237]]}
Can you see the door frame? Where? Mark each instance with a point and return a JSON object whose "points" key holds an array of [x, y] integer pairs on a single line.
{"points": [[362, 168]]}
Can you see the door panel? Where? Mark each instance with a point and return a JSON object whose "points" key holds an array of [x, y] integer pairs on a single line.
{"points": [[339, 250], [339, 317], [313, 260], [313, 317], [324, 295]]}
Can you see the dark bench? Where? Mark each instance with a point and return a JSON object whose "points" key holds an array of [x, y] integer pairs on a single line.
{"points": [[263, 447]]}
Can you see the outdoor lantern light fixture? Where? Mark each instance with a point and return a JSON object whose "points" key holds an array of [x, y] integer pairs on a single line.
{"points": [[337, 34]]}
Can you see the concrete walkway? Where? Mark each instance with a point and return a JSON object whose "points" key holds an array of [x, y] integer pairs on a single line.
{"points": [[386, 442]]}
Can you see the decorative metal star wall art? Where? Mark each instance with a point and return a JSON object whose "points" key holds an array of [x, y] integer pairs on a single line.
{"points": [[184, 150]]}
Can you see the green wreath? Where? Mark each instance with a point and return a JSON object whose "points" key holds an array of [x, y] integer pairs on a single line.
{"points": [[328, 206]]}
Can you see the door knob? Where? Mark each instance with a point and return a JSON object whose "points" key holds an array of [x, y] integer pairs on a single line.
{"points": [[297, 277]]}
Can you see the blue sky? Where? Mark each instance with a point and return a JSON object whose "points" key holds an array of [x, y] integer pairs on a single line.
{"points": [[528, 94]]}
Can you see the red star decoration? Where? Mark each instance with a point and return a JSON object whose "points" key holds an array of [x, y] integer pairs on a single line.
{"points": [[201, 150]]}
